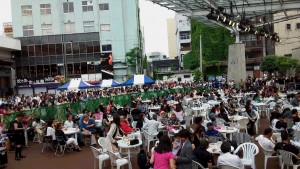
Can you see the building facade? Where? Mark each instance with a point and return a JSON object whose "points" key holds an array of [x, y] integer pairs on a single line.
{"points": [[172, 44], [183, 36], [289, 32], [75, 38], [8, 48]]}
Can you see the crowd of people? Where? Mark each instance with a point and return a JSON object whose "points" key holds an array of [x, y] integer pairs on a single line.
{"points": [[113, 123]]}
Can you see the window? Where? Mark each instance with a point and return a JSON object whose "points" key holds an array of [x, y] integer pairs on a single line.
{"points": [[28, 30], [87, 6], [47, 29], [88, 26], [297, 25], [68, 7], [70, 27], [45, 9], [184, 35], [105, 27], [106, 48], [26, 10], [288, 26], [186, 76], [31, 50], [103, 7]]}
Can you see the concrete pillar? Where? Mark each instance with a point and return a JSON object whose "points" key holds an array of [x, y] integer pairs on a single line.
{"points": [[236, 63]]}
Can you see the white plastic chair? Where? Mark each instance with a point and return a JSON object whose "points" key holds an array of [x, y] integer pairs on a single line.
{"points": [[226, 167], [257, 122], [98, 155], [118, 161], [196, 165], [268, 155], [149, 139], [241, 138], [250, 150], [243, 124], [287, 159], [134, 124]]}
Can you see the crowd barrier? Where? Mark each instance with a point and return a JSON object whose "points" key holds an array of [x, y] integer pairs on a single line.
{"points": [[58, 112]]}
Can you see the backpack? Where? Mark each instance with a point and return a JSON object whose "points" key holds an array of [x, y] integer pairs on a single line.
{"points": [[142, 160]]}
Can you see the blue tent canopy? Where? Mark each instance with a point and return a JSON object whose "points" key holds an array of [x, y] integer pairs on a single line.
{"points": [[108, 83], [138, 80], [75, 85]]}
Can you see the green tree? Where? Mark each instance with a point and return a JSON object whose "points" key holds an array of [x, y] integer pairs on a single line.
{"points": [[133, 56], [286, 65], [269, 64], [197, 75], [155, 74], [215, 42]]}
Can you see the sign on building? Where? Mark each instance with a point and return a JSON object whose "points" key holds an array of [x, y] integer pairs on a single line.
{"points": [[8, 28]]}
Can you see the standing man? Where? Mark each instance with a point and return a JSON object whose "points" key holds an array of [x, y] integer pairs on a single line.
{"points": [[185, 154]]}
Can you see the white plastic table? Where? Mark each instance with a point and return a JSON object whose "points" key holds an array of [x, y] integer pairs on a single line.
{"points": [[212, 102], [215, 148], [228, 130], [126, 144], [71, 131], [198, 111]]}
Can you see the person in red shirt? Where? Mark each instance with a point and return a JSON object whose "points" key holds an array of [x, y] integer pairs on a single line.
{"points": [[125, 125]]}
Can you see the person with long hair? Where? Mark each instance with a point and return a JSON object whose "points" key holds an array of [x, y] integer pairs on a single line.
{"points": [[162, 156], [19, 137], [178, 112], [202, 155], [114, 132], [198, 135], [68, 141]]}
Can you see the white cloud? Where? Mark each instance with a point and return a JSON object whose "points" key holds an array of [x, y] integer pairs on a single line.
{"points": [[154, 21]]}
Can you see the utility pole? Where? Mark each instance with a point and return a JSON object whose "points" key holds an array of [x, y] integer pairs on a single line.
{"points": [[201, 53]]}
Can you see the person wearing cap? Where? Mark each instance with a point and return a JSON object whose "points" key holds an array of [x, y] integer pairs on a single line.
{"points": [[227, 158], [212, 132]]}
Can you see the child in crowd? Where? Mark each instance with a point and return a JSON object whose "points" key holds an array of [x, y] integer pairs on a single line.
{"points": [[176, 144]]}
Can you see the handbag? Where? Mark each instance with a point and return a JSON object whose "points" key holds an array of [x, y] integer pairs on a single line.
{"points": [[134, 142]]}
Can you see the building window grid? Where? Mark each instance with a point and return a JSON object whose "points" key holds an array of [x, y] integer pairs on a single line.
{"points": [[105, 27], [68, 7], [104, 7], [47, 29], [184, 35], [26, 10], [69, 27], [106, 48], [45, 9], [88, 26], [297, 25], [87, 6], [288, 26], [28, 30]]}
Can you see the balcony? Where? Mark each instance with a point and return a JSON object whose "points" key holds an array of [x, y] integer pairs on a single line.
{"points": [[253, 44]]}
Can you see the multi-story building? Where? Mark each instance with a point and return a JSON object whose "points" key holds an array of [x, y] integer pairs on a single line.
{"points": [[179, 37], [183, 34], [73, 38], [289, 32]]}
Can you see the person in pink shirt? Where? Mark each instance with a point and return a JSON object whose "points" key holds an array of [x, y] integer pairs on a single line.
{"points": [[162, 156], [98, 114]]}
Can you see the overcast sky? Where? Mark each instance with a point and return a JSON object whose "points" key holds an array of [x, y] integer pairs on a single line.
{"points": [[153, 21]]}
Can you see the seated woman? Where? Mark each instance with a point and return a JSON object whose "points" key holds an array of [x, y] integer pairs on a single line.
{"points": [[202, 155], [98, 115], [113, 133], [105, 122], [125, 126], [198, 135], [69, 141], [178, 112], [163, 118]]}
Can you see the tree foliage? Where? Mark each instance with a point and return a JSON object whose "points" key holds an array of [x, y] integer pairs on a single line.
{"points": [[215, 42], [282, 64], [197, 75], [132, 55]]}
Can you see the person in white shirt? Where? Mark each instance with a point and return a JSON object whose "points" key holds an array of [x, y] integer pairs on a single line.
{"points": [[265, 141], [152, 126], [69, 123], [38, 126], [227, 158]]}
